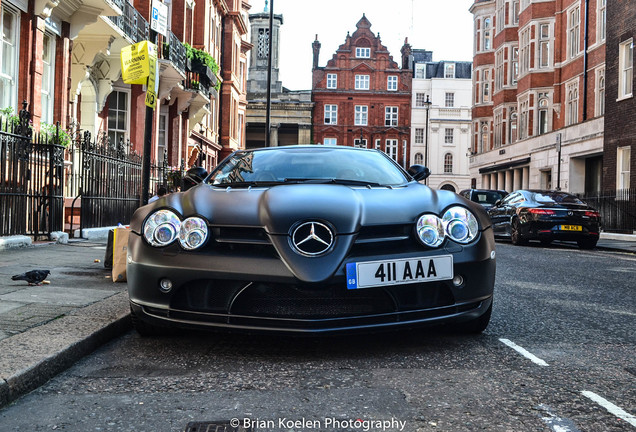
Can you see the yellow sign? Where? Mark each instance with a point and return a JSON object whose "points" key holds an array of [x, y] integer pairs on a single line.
{"points": [[153, 78], [135, 62]]}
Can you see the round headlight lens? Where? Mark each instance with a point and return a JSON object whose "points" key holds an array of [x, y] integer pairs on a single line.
{"points": [[461, 225], [193, 233], [161, 228], [430, 230]]}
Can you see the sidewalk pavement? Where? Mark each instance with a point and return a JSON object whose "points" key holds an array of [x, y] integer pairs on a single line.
{"points": [[45, 329]]}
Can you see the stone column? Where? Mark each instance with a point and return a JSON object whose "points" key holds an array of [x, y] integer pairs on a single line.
{"points": [[509, 182], [485, 181], [304, 134], [273, 135], [526, 178], [501, 183], [517, 179]]}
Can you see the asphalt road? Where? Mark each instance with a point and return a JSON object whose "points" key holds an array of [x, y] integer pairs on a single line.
{"points": [[559, 355]]}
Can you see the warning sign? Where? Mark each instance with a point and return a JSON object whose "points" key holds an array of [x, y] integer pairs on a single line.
{"points": [[135, 62], [153, 78]]}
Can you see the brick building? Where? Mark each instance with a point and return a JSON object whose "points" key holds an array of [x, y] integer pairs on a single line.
{"points": [[619, 166], [538, 94], [362, 97]]}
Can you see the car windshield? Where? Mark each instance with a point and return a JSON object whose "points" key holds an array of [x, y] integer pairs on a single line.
{"points": [[268, 167], [556, 198], [486, 197]]}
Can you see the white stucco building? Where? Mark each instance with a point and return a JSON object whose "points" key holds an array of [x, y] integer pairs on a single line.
{"points": [[442, 92]]}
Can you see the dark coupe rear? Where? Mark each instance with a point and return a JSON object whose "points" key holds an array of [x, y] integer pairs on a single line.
{"points": [[310, 239], [545, 216]]}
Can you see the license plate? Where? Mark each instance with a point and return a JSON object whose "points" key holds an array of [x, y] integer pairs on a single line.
{"points": [[398, 272], [571, 228]]}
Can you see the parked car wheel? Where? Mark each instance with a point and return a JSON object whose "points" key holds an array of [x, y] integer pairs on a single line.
{"points": [[515, 234], [587, 243], [474, 326]]}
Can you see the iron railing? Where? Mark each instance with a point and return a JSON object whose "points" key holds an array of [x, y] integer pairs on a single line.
{"points": [[132, 23], [31, 179], [617, 209]]}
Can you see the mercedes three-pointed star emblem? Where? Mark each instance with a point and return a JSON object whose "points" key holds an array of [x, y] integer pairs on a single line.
{"points": [[312, 238]]}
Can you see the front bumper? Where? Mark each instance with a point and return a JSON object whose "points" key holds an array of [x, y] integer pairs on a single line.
{"points": [[259, 293]]}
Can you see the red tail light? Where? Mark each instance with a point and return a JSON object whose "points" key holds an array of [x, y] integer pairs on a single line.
{"points": [[541, 211], [592, 214]]}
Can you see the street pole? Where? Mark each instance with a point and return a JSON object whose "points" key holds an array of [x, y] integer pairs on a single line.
{"points": [[145, 161], [427, 104], [268, 113], [558, 148]]}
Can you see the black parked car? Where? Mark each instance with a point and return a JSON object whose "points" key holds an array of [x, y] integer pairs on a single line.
{"points": [[545, 215], [486, 197], [310, 239]]}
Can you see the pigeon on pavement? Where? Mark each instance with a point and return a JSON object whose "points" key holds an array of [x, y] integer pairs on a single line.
{"points": [[32, 277]]}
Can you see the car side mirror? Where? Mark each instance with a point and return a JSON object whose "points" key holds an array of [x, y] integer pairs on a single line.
{"points": [[193, 177], [419, 172], [497, 203]]}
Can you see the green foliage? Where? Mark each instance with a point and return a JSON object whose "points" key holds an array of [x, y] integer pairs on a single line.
{"points": [[49, 131], [201, 56], [8, 116]]}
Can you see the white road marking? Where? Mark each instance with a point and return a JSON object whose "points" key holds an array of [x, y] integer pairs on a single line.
{"points": [[556, 423], [524, 352], [617, 411]]}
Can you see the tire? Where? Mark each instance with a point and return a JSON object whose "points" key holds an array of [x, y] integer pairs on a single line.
{"points": [[587, 243], [475, 326], [515, 234], [147, 330]]}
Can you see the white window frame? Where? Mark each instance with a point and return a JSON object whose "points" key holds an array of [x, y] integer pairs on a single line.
{"points": [[48, 78], [420, 100], [391, 116], [524, 51], [418, 137], [544, 49], [500, 15], [360, 143], [498, 128], [363, 52], [499, 69], [449, 136], [11, 44], [392, 149], [420, 70], [574, 32], [487, 34], [514, 65], [120, 130], [392, 83], [626, 69], [623, 161], [572, 102], [599, 92], [162, 134], [601, 25], [486, 94], [448, 163], [543, 114], [449, 70], [331, 114], [524, 114], [418, 159], [361, 115], [330, 141], [449, 99], [332, 81], [362, 82]]}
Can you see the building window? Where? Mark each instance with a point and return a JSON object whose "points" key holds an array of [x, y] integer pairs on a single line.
{"points": [[543, 115], [485, 86], [623, 160], [420, 70], [9, 55], [363, 52], [332, 81], [420, 100], [449, 70], [162, 137], [625, 69], [500, 17], [48, 77], [515, 12], [392, 83], [572, 103], [602, 20], [544, 45], [600, 92], [391, 116], [419, 159], [574, 24], [487, 44], [448, 163], [524, 51], [419, 136], [483, 138], [449, 135], [392, 149], [361, 115], [362, 82], [449, 100], [512, 129], [263, 43], [514, 65], [498, 128], [330, 141], [377, 144], [360, 143], [523, 119], [117, 116], [331, 114], [499, 69]]}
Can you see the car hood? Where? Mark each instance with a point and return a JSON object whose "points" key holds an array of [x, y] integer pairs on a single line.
{"points": [[279, 209]]}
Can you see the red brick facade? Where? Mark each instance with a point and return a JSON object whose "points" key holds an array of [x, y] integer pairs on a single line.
{"points": [[383, 89]]}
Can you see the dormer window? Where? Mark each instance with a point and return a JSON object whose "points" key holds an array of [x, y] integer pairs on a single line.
{"points": [[363, 52], [449, 70]]}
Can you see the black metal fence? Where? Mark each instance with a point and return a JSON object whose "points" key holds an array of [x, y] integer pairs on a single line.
{"points": [[617, 209], [31, 179]]}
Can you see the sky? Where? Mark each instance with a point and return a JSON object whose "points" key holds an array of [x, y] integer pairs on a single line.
{"points": [[442, 26]]}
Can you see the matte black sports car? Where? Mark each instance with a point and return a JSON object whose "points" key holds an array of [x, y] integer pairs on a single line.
{"points": [[311, 239], [545, 215]]}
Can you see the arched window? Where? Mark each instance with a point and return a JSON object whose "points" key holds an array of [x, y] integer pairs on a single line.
{"points": [[448, 187], [543, 116], [448, 163], [419, 159]]}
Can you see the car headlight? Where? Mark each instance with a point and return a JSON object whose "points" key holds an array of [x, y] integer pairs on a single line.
{"points": [[193, 233], [430, 230], [161, 228], [461, 225]]}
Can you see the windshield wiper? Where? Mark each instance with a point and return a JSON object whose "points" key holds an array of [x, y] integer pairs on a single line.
{"points": [[248, 183], [332, 181]]}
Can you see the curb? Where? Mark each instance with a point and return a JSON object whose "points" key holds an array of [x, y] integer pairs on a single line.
{"points": [[30, 359], [16, 241]]}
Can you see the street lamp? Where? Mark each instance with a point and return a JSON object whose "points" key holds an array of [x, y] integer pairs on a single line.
{"points": [[427, 106]]}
